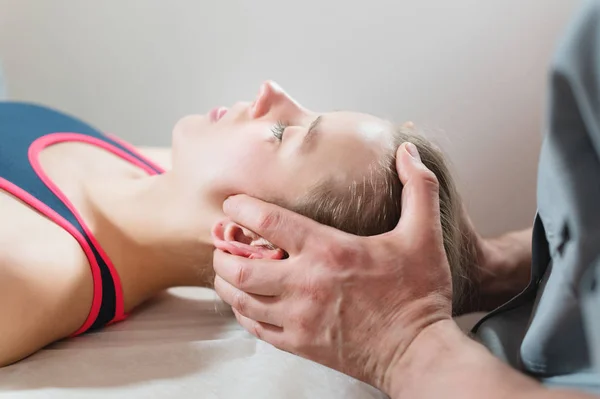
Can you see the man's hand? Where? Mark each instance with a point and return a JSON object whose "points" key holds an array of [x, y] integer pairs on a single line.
{"points": [[352, 303]]}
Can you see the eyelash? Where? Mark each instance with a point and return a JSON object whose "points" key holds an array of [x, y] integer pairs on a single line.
{"points": [[278, 129]]}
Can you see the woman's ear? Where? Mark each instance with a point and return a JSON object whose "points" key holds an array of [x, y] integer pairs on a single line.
{"points": [[230, 237]]}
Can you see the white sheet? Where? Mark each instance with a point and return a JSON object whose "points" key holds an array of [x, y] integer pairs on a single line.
{"points": [[183, 344]]}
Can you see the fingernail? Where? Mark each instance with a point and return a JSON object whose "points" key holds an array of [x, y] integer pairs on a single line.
{"points": [[412, 151]]}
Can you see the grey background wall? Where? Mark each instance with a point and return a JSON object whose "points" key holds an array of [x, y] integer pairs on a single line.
{"points": [[471, 73]]}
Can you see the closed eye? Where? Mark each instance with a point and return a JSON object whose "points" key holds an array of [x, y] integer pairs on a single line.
{"points": [[278, 129]]}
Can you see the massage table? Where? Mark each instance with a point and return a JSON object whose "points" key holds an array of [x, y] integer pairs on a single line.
{"points": [[185, 343]]}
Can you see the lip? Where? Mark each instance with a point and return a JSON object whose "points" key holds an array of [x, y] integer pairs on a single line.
{"points": [[217, 113]]}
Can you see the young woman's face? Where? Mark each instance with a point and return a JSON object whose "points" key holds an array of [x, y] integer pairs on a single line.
{"points": [[273, 148]]}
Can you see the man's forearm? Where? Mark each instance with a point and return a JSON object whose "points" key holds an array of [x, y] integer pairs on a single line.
{"points": [[444, 363], [507, 269]]}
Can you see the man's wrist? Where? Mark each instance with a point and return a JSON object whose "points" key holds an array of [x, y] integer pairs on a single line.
{"points": [[443, 362], [430, 348]]}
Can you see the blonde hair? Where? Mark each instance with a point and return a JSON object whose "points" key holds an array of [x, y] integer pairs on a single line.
{"points": [[372, 206]]}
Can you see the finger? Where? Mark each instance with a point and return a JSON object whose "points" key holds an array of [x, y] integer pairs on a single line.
{"points": [[283, 228], [254, 276], [420, 194], [263, 331], [266, 309]]}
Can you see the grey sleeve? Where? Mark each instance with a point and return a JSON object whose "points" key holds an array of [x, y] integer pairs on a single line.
{"points": [[562, 336], [590, 300], [552, 330]]}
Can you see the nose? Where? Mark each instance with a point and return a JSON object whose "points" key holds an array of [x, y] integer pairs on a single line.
{"points": [[270, 97]]}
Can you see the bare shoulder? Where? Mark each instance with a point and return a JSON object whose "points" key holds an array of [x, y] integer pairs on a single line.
{"points": [[45, 289], [160, 155]]}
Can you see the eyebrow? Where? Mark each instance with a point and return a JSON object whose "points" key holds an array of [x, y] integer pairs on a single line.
{"points": [[312, 132]]}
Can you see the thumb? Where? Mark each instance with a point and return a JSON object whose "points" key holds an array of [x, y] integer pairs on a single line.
{"points": [[420, 195]]}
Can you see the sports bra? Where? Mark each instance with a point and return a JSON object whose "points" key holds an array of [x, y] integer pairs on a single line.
{"points": [[25, 130]]}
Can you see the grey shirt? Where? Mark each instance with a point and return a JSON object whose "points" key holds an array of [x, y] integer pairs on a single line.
{"points": [[552, 330]]}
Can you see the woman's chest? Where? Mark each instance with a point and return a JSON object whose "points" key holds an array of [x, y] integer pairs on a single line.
{"points": [[31, 239]]}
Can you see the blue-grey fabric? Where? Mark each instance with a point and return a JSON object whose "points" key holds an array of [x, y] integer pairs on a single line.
{"points": [[560, 310]]}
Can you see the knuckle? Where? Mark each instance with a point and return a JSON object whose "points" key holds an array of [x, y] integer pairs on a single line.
{"points": [[342, 253], [430, 180], [316, 288], [269, 220], [302, 323], [240, 302], [241, 276], [257, 330]]}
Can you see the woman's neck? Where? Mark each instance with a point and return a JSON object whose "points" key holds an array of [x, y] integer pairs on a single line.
{"points": [[155, 239]]}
